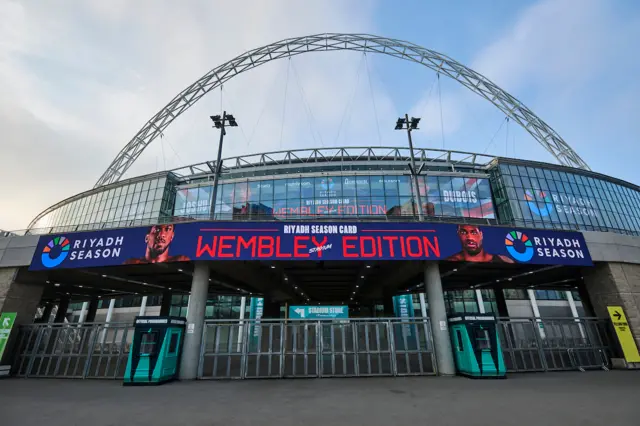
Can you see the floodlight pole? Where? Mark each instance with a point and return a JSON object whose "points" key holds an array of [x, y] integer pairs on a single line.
{"points": [[216, 176], [414, 171]]}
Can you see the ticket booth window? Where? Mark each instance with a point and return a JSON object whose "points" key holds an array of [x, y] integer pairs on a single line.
{"points": [[148, 343], [173, 343], [482, 339]]}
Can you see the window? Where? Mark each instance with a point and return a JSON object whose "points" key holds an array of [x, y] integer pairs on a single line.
{"points": [[148, 343]]}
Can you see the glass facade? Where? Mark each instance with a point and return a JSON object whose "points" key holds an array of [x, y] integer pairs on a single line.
{"points": [[339, 196], [128, 204], [218, 307], [549, 198]]}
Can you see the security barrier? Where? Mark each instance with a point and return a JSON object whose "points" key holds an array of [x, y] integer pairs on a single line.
{"points": [[89, 350], [555, 344], [245, 349]]}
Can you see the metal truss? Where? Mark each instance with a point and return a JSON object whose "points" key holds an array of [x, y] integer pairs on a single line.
{"points": [[335, 155], [509, 105]]}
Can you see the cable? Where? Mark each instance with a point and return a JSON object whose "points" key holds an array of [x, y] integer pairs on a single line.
{"points": [[373, 100], [264, 108], [346, 109], [494, 136], [427, 99], [164, 158], [284, 103], [441, 119], [307, 108], [506, 140]]}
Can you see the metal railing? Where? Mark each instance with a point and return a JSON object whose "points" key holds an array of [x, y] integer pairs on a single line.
{"points": [[279, 348], [555, 344], [89, 350], [245, 349]]}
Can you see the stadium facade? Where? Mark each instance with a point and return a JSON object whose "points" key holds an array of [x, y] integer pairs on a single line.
{"points": [[505, 237]]}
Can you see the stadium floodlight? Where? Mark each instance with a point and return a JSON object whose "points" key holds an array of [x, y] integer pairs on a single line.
{"points": [[219, 123], [409, 125]]}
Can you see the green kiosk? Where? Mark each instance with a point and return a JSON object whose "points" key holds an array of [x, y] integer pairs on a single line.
{"points": [[476, 346], [154, 357]]}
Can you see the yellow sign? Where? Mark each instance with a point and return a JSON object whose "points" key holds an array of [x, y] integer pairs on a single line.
{"points": [[623, 332]]}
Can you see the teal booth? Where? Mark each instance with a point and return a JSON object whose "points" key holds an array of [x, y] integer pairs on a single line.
{"points": [[476, 346], [154, 357]]}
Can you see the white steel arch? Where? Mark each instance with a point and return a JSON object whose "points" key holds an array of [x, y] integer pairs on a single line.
{"points": [[438, 62]]}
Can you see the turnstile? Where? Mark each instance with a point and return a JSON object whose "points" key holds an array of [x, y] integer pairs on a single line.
{"points": [[476, 346], [155, 353]]}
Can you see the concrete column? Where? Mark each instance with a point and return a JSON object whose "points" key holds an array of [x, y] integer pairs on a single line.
{"points": [[63, 307], [83, 312], [112, 304], [46, 312], [92, 310], [143, 306], [501, 302], [438, 317], [480, 301], [574, 312], [21, 298], [615, 284], [243, 306], [423, 305], [165, 304], [536, 311], [195, 322]]}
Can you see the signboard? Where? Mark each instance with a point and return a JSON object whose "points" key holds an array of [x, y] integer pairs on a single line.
{"points": [[627, 343], [309, 241], [318, 312], [6, 324], [256, 310], [404, 333]]}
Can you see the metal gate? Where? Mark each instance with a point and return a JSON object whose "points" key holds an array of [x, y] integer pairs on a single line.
{"points": [[243, 349], [77, 351], [555, 344]]}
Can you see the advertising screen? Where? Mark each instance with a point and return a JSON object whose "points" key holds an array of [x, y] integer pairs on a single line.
{"points": [[357, 195], [309, 241]]}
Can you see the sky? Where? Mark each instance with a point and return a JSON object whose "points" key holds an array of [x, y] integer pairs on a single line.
{"points": [[79, 78]]}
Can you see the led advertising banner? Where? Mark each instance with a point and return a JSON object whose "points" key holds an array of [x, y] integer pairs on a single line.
{"points": [[309, 241]]}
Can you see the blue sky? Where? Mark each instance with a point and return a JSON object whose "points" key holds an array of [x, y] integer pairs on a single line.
{"points": [[77, 80]]}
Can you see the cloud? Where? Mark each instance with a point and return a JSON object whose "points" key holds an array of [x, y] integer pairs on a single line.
{"points": [[78, 81]]}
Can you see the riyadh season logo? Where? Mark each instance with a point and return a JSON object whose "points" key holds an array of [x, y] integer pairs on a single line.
{"points": [[327, 184], [519, 246], [55, 252], [530, 196]]}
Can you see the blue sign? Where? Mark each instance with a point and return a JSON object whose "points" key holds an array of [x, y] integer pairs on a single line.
{"points": [[405, 334], [256, 310], [318, 312], [309, 241]]}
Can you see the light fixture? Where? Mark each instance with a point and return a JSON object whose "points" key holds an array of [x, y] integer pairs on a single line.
{"points": [[169, 288], [48, 282], [179, 270], [104, 276], [368, 266], [273, 266], [237, 289], [113, 291], [68, 293], [362, 276], [510, 279], [79, 286], [357, 286], [497, 281], [56, 284], [455, 269], [286, 279], [209, 279], [295, 286]]}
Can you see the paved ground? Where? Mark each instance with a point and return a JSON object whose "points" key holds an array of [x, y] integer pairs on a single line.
{"points": [[593, 398]]}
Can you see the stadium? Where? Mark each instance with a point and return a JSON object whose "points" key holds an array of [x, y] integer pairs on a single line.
{"points": [[266, 246]]}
